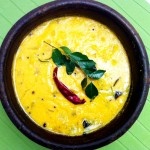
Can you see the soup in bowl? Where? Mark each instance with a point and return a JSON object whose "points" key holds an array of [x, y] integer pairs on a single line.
{"points": [[69, 74], [37, 91]]}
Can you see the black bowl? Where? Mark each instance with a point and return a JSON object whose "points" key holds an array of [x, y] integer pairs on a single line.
{"points": [[137, 58]]}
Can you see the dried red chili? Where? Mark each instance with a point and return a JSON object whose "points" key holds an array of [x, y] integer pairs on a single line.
{"points": [[68, 94]]}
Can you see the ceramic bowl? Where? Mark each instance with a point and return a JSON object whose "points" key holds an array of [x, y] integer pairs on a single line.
{"points": [[138, 63]]}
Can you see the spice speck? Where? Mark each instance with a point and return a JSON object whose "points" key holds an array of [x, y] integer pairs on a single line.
{"points": [[33, 92], [117, 94], [44, 125]]}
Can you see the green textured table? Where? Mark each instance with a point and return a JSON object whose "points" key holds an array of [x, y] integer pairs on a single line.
{"points": [[138, 13]]}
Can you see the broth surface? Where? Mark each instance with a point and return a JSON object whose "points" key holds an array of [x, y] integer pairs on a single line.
{"points": [[36, 90]]}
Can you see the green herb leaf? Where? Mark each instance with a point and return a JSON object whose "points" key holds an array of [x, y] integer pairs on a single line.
{"points": [[66, 49], [87, 64], [97, 74], [84, 83], [82, 61], [91, 91], [70, 66], [77, 56], [58, 58], [87, 71]]}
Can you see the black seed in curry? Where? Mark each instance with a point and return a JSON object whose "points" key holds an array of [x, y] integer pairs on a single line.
{"points": [[86, 124], [44, 125], [117, 94], [27, 107], [33, 92]]}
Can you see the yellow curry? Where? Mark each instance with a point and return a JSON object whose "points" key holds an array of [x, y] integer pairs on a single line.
{"points": [[37, 92]]}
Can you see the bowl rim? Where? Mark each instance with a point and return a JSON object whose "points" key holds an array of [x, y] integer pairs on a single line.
{"points": [[41, 10]]}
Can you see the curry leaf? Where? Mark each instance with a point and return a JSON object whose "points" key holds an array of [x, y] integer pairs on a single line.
{"points": [[91, 91], [58, 58], [87, 64], [84, 83], [70, 66], [77, 56], [87, 71], [66, 49], [97, 74]]}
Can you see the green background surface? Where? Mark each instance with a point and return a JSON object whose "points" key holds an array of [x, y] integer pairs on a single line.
{"points": [[138, 14]]}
